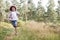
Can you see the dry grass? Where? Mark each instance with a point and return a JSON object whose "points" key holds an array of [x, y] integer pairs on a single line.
{"points": [[43, 29], [36, 31]]}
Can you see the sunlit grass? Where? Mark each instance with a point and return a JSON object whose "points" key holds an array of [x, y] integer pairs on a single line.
{"points": [[32, 31], [4, 32], [25, 34], [38, 31]]}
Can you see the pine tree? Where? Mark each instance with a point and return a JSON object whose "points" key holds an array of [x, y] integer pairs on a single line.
{"points": [[7, 6], [40, 11], [51, 13], [31, 9], [58, 11], [25, 11]]}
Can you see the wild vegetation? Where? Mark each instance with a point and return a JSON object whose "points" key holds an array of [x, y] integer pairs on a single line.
{"points": [[35, 23]]}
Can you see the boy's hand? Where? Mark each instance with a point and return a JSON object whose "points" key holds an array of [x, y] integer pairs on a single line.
{"points": [[18, 15], [11, 17]]}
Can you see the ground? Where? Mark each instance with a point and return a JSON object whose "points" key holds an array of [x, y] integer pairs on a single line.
{"points": [[35, 31]]}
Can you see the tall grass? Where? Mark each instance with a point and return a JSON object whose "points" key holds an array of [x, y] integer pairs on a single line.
{"points": [[32, 31], [4, 30], [25, 34], [38, 31]]}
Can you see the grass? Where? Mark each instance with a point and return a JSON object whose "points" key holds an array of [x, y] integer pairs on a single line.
{"points": [[38, 31], [25, 34], [4, 32], [32, 31]]}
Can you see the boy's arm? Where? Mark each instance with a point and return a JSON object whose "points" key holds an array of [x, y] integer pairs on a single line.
{"points": [[10, 16], [18, 14]]}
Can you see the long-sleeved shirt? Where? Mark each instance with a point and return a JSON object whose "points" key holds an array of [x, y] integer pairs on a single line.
{"points": [[13, 15]]}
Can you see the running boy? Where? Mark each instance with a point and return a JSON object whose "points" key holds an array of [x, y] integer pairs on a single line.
{"points": [[13, 17]]}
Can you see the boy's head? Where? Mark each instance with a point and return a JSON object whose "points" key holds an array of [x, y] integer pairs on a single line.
{"points": [[12, 8]]}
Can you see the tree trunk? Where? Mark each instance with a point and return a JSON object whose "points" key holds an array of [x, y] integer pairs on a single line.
{"points": [[25, 17]]}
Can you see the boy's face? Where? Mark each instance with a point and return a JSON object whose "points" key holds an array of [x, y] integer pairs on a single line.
{"points": [[13, 9]]}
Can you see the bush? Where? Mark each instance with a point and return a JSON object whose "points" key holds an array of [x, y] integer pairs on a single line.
{"points": [[6, 25], [4, 32], [20, 23]]}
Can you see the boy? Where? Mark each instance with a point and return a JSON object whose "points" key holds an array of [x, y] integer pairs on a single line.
{"points": [[13, 17]]}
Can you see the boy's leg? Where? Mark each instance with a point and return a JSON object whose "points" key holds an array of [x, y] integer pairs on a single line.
{"points": [[14, 23], [15, 30], [15, 26]]}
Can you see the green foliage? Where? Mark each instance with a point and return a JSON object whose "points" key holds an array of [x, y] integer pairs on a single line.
{"points": [[51, 13], [5, 24], [58, 12], [21, 23], [39, 13], [30, 12], [4, 32]]}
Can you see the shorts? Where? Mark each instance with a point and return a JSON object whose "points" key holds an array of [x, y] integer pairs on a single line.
{"points": [[14, 23]]}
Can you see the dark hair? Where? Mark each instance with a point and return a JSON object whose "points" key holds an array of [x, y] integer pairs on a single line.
{"points": [[12, 7]]}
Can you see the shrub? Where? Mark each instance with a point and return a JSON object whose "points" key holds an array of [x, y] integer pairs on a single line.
{"points": [[6, 25], [20, 23]]}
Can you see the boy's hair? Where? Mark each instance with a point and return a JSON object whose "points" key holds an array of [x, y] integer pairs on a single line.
{"points": [[12, 7]]}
